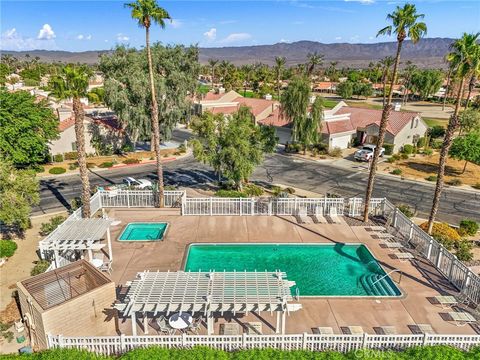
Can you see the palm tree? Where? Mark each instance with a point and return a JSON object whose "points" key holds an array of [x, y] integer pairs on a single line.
{"points": [[404, 24], [73, 83], [447, 87], [224, 67], [278, 68], [212, 63], [408, 74], [463, 60], [386, 63], [144, 12], [313, 59]]}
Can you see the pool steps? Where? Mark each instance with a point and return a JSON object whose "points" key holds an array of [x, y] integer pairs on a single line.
{"points": [[375, 285]]}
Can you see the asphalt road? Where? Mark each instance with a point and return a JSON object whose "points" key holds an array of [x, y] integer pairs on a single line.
{"points": [[456, 204]]}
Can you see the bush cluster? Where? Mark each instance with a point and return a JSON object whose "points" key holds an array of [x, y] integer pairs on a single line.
{"points": [[293, 147], [40, 267], [468, 227], [388, 149], [431, 178], [7, 248], [444, 234], [454, 182], [130, 161], [253, 190], [424, 353], [335, 152], [406, 210], [396, 172], [73, 155], [106, 164], [58, 158], [230, 194], [57, 170], [408, 149], [48, 227]]}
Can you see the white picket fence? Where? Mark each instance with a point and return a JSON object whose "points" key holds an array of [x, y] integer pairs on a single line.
{"points": [[116, 345], [138, 198]]}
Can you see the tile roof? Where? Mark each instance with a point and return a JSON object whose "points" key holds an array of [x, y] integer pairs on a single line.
{"points": [[108, 122], [65, 124], [256, 105], [212, 96], [275, 119], [337, 126]]}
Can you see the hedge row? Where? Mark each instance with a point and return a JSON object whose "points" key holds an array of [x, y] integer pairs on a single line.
{"points": [[200, 353]]}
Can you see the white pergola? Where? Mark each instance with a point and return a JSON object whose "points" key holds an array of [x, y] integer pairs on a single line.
{"points": [[78, 234], [206, 293]]}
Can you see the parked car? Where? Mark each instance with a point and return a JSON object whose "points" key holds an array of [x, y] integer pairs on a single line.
{"points": [[137, 183], [366, 153]]}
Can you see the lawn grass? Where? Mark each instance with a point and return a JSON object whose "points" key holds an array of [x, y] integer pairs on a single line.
{"points": [[365, 105], [431, 122]]}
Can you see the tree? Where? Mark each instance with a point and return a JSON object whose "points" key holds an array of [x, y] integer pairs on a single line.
{"points": [[467, 148], [310, 125], [404, 24], [233, 146], [212, 63], [145, 12], [19, 189], [313, 60], [345, 89], [278, 68], [73, 83], [295, 100], [469, 120], [462, 59], [427, 82], [407, 75], [386, 63], [447, 87], [26, 128]]}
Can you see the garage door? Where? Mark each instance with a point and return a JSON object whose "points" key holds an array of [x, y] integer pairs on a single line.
{"points": [[341, 142]]}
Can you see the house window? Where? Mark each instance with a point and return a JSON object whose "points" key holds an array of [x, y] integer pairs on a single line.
{"points": [[416, 122], [74, 146]]}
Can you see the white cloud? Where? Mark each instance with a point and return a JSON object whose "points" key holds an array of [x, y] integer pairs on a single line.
{"points": [[363, 2], [175, 23], [12, 40], [355, 38], [338, 38], [46, 33], [211, 34], [84, 37], [122, 37], [235, 38], [284, 40]]}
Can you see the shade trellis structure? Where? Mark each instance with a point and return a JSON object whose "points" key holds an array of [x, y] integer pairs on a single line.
{"points": [[152, 293], [78, 234]]}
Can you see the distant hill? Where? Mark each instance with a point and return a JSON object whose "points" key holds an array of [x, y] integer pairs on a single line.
{"points": [[427, 53]]}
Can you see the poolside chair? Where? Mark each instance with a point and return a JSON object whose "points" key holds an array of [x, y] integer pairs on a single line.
{"points": [[196, 325], [323, 330], [404, 256], [253, 328], [318, 217], [461, 318], [163, 326], [352, 330], [445, 301], [107, 267], [334, 216], [421, 329], [385, 330], [229, 329], [301, 216]]}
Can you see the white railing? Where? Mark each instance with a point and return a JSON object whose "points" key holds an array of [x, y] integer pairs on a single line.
{"points": [[116, 345], [138, 198]]}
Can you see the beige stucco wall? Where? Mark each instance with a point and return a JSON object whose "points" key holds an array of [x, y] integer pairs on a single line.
{"points": [[64, 143], [405, 136]]}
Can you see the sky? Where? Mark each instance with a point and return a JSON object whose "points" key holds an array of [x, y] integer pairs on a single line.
{"points": [[100, 25]]}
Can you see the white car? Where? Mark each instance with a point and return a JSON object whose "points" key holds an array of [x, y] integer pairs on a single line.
{"points": [[137, 183], [366, 153]]}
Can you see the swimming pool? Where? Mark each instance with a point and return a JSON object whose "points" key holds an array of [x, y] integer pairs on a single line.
{"points": [[317, 269], [153, 231]]}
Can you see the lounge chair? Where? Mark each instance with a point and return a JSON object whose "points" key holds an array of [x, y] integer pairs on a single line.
{"points": [[375, 228], [302, 217], [386, 330], [163, 326], [461, 318], [107, 267], [446, 301], [352, 330], [404, 256], [253, 328], [333, 215], [318, 217], [323, 330], [229, 329], [392, 245], [196, 325], [385, 236], [422, 329]]}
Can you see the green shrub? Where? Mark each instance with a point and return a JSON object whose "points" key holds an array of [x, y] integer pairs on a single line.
{"points": [[130, 161], [127, 147], [75, 204], [289, 190], [436, 131], [468, 227], [436, 144], [230, 194], [73, 166], [335, 152], [403, 156], [391, 160], [170, 187], [431, 178], [57, 170], [396, 172], [421, 142], [476, 186], [58, 158], [455, 182], [253, 190], [408, 149], [464, 250], [293, 147], [276, 190], [7, 248], [106, 164], [48, 227], [388, 149], [428, 152], [40, 267], [73, 155], [38, 168], [406, 210]]}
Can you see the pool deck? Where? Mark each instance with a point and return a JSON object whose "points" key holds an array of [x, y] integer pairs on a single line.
{"points": [[420, 281]]}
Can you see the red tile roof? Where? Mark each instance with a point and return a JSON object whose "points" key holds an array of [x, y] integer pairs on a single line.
{"points": [[223, 109], [65, 124], [256, 105], [212, 96], [337, 126], [275, 119]]}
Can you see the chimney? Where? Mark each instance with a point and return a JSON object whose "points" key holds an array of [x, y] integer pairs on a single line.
{"points": [[397, 106], [268, 97]]}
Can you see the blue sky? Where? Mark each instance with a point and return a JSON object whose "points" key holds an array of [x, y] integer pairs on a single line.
{"points": [[95, 25]]}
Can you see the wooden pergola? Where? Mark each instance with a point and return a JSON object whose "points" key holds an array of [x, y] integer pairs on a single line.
{"points": [[152, 293], [78, 234]]}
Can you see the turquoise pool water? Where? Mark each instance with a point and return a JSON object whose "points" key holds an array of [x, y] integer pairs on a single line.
{"points": [[143, 232], [318, 270]]}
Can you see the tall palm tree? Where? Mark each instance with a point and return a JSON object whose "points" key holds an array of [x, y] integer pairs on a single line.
{"points": [[212, 63], [313, 59], [405, 23], [145, 12], [447, 87], [386, 63], [408, 74], [463, 59], [278, 69], [223, 68], [72, 83]]}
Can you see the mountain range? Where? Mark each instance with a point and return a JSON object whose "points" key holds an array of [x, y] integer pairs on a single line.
{"points": [[426, 53]]}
